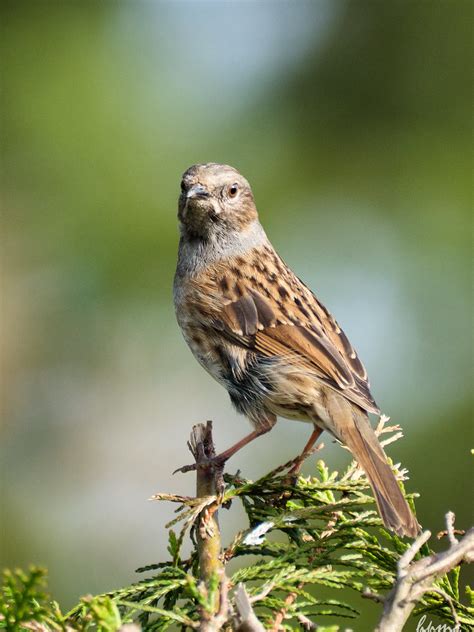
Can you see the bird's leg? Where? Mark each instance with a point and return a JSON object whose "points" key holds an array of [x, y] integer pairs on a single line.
{"points": [[225, 456], [221, 458], [295, 468]]}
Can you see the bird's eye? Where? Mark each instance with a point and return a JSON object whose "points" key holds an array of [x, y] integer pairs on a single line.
{"points": [[233, 190]]}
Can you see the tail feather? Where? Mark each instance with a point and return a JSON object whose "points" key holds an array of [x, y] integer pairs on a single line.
{"points": [[357, 434]]}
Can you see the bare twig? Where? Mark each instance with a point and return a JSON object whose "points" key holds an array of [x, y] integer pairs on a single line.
{"points": [[280, 615], [414, 579], [200, 512], [306, 623], [207, 526], [208, 534], [450, 517], [246, 619], [370, 594]]}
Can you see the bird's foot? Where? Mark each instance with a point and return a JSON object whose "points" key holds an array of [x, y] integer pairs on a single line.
{"points": [[217, 463], [295, 469]]}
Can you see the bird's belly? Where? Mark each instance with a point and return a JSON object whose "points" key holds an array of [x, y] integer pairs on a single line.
{"points": [[205, 353], [255, 383]]}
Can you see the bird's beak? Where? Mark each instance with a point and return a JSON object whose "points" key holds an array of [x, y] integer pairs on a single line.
{"points": [[197, 191]]}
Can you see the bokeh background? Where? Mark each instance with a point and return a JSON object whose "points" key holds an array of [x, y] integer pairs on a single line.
{"points": [[352, 120]]}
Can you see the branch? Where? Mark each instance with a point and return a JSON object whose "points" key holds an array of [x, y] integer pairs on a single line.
{"points": [[248, 622], [324, 507], [208, 536], [201, 446], [416, 578], [209, 487], [280, 615]]}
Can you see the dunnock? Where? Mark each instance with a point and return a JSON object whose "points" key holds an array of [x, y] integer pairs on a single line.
{"points": [[260, 332]]}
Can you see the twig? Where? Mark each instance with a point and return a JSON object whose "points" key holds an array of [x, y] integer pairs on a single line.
{"points": [[209, 486], [280, 615], [444, 533], [246, 619], [208, 534], [450, 527], [306, 623], [290, 598], [416, 578], [207, 527], [370, 594]]}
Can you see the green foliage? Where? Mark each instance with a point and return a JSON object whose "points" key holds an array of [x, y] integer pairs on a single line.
{"points": [[101, 613], [308, 542], [23, 598], [306, 539]]}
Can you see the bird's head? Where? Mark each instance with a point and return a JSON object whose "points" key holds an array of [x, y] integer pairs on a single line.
{"points": [[214, 199]]}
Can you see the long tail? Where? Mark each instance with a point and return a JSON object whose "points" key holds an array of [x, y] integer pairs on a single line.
{"points": [[354, 430]]}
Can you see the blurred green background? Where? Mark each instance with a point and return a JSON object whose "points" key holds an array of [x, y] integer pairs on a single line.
{"points": [[352, 121]]}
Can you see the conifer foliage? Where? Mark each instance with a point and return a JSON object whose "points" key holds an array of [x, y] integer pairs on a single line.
{"points": [[307, 544]]}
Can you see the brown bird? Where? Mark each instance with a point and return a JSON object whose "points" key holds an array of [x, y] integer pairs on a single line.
{"points": [[260, 332]]}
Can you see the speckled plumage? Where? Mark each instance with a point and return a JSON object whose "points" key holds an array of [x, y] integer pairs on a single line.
{"points": [[259, 331]]}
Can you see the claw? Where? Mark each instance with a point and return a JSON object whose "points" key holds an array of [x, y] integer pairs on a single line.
{"points": [[217, 462], [186, 468]]}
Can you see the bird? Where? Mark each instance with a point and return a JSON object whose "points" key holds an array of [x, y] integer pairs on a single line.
{"points": [[258, 330]]}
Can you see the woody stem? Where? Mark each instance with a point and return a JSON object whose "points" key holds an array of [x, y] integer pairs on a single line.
{"points": [[208, 477]]}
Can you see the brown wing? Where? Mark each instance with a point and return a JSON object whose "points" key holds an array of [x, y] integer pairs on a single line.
{"points": [[282, 318]]}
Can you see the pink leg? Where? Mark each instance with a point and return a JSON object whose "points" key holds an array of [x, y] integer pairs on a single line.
{"points": [[221, 458], [306, 450], [225, 456]]}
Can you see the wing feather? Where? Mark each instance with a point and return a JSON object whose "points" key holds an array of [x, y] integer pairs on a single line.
{"points": [[251, 321]]}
